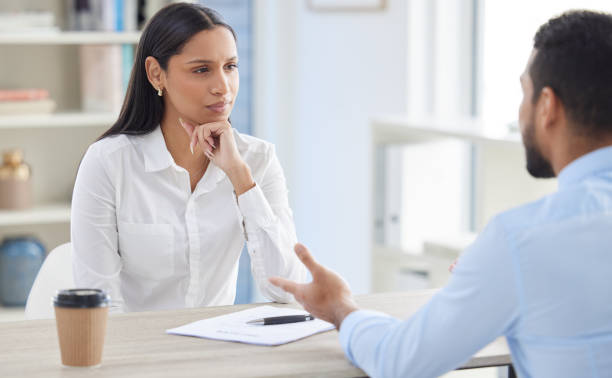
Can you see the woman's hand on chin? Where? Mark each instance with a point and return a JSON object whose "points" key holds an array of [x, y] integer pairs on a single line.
{"points": [[216, 140]]}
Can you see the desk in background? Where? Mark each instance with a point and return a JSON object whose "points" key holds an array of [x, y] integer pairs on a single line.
{"points": [[137, 346]]}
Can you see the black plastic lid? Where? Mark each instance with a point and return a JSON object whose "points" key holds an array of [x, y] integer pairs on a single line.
{"points": [[81, 298]]}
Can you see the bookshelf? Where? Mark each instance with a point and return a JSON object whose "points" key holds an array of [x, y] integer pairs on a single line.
{"points": [[53, 143], [500, 182]]}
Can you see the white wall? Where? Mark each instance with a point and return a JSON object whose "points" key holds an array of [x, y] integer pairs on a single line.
{"points": [[505, 54], [319, 77]]}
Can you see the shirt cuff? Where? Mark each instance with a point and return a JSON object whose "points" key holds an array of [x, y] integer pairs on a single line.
{"points": [[348, 327], [255, 208]]}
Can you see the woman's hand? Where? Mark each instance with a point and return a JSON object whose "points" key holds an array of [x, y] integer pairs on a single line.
{"points": [[216, 140]]}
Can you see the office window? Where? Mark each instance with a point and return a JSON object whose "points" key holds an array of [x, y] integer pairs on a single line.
{"points": [[507, 34]]}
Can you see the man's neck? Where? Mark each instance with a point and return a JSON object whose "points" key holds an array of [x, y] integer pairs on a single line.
{"points": [[577, 146]]}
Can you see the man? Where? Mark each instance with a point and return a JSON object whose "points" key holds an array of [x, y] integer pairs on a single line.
{"points": [[540, 274]]}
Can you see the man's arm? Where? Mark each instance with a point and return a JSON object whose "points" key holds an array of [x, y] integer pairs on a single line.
{"points": [[479, 303]]}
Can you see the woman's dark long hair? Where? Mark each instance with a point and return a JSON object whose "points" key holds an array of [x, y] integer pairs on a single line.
{"points": [[164, 36]]}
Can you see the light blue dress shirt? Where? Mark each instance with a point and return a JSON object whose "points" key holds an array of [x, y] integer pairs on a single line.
{"points": [[539, 274]]}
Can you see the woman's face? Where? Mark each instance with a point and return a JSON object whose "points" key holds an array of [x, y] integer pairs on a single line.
{"points": [[202, 81]]}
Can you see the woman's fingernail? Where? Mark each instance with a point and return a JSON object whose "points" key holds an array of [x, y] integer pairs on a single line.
{"points": [[191, 147]]}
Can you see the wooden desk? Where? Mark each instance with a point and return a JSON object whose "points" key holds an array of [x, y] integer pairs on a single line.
{"points": [[137, 346]]}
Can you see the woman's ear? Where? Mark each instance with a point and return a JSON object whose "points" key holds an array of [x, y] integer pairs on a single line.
{"points": [[155, 74]]}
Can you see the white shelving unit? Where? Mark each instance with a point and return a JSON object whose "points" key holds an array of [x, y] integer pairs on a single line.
{"points": [[62, 119], [53, 143], [40, 214], [11, 314], [501, 182], [68, 38]]}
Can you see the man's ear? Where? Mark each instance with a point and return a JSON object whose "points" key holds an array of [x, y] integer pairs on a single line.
{"points": [[155, 74], [549, 109]]}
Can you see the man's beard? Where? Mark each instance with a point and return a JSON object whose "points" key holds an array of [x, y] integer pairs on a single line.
{"points": [[537, 165]]}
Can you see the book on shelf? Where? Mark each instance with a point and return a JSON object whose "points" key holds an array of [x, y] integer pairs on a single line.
{"points": [[105, 69], [25, 101], [101, 78], [45, 106], [103, 15], [150, 7], [127, 61], [130, 15], [27, 21], [23, 94], [392, 189]]}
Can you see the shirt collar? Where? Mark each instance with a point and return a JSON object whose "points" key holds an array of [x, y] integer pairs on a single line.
{"points": [[157, 157], [586, 165], [156, 154]]}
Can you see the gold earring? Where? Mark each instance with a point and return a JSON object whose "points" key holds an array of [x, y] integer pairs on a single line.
{"points": [[160, 92]]}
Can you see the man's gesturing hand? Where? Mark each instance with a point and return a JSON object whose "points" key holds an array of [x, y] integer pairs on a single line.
{"points": [[327, 297]]}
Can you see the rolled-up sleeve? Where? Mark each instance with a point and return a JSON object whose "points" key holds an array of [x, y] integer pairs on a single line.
{"points": [[270, 231], [93, 229]]}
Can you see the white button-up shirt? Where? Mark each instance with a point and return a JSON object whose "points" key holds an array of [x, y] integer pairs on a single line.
{"points": [[139, 232]]}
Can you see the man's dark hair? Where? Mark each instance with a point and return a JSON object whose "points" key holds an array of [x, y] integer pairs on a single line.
{"points": [[574, 59]]}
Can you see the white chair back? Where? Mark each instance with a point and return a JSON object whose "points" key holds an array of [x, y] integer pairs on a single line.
{"points": [[55, 274]]}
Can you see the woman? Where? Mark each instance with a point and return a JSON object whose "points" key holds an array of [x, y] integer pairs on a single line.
{"points": [[165, 199]]}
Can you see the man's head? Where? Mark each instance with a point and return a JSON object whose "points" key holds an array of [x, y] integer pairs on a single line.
{"points": [[567, 87]]}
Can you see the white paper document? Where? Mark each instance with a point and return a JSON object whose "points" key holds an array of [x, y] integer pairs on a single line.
{"points": [[234, 327]]}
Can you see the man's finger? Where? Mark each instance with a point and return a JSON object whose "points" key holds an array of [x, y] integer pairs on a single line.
{"points": [[306, 258], [288, 286], [452, 266]]}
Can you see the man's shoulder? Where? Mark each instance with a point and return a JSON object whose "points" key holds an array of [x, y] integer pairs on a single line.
{"points": [[527, 215], [585, 200]]}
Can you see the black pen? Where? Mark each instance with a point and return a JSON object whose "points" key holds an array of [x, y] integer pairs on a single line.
{"points": [[282, 319]]}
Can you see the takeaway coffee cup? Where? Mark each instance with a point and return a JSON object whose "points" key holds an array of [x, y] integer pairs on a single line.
{"points": [[81, 315]]}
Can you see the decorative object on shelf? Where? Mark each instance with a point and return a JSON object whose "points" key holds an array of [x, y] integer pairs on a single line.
{"points": [[15, 181], [347, 5], [20, 260]]}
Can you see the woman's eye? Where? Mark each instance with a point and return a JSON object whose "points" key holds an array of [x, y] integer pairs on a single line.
{"points": [[201, 70], [232, 66]]}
